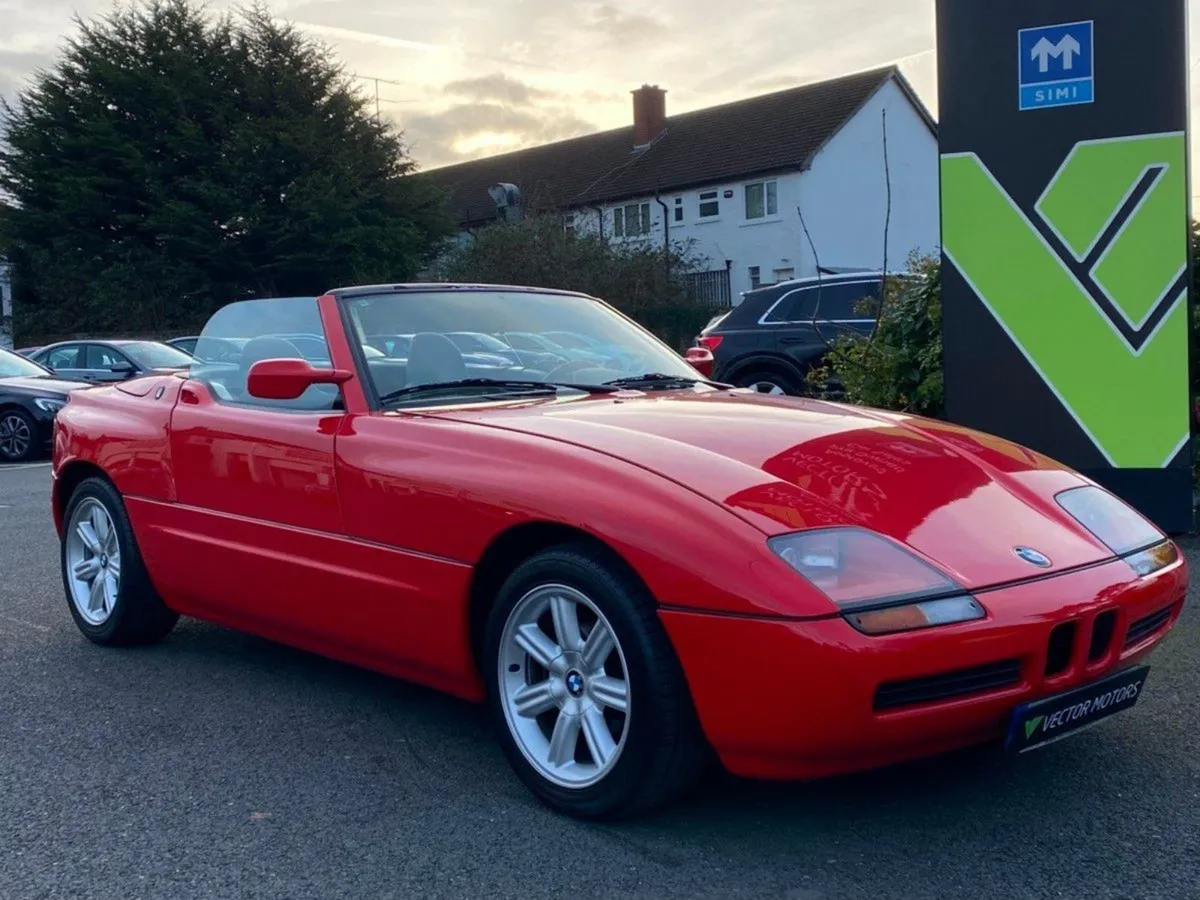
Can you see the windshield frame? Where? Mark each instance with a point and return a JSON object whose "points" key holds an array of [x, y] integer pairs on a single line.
{"points": [[38, 370], [345, 296]]}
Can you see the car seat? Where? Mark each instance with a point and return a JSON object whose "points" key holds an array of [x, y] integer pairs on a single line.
{"points": [[433, 358]]}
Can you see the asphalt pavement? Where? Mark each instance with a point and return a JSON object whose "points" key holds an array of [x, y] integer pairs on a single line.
{"points": [[221, 765]]}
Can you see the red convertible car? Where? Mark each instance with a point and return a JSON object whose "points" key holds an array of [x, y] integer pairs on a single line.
{"points": [[638, 571]]}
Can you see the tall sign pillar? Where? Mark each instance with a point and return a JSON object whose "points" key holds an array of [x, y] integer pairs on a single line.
{"points": [[1066, 262]]}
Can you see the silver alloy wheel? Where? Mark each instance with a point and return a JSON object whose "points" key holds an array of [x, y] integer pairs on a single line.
{"points": [[93, 561], [15, 436], [766, 387], [564, 686]]}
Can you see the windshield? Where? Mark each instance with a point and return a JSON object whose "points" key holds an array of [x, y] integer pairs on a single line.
{"points": [[152, 355], [14, 366], [440, 320], [478, 342], [570, 341]]}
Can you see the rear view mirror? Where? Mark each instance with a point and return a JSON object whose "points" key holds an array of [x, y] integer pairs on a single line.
{"points": [[701, 359], [287, 379]]}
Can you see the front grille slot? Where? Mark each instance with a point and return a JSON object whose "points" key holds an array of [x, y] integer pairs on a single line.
{"points": [[1060, 648], [959, 683], [1102, 635], [1143, 628]]}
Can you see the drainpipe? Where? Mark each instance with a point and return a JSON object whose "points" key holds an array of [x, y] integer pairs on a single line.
{"points": [[666, 236]]}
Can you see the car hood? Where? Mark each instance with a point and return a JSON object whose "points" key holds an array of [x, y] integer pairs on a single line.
{"points": [[41, 387], [956, 496]]}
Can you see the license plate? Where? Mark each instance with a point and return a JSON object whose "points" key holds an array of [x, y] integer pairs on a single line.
{"points": [[1051, 719]]}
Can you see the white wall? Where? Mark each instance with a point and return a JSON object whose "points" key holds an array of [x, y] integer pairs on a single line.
{"points": [[843, 197], [844, 194]]}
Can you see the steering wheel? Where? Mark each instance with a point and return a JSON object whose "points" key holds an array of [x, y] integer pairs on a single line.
{"points": [[560, 373]]}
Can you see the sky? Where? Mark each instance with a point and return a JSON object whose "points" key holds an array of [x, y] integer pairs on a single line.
{"points": [[469, 78]]}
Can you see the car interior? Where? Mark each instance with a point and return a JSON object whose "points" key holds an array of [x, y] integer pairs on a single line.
{"points": [[429, 357]]}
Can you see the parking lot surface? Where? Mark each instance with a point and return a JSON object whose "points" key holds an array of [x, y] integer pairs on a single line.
{"points": [[221, 765]]}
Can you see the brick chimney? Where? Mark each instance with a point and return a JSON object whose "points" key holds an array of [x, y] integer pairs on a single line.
{"points": [[649, 114]]}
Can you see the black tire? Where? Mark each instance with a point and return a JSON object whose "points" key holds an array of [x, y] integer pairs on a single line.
{"points": [[789, 384], [25, 420], [665, 752], [138, 615]]}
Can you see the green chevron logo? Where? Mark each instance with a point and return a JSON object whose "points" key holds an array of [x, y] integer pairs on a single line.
{"points": [[1091, 285]]}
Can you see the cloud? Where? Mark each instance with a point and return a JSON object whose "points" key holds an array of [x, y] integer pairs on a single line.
{"points": [[627, 29], [499, 88], [462, 131], [365, 37]]}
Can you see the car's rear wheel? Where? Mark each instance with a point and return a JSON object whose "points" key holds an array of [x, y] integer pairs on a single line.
{"points": [[588, 697], [108, 591], [768, 381], [17, 430]]}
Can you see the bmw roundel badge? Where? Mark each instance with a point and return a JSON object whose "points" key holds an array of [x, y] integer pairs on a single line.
{"points": [[1033, 557]]}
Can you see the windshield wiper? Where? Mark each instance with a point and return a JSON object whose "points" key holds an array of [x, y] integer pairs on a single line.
{"points": [[494, 383], [658, 378]]}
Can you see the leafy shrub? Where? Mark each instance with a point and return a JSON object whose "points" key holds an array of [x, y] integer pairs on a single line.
{"points": [[899, 366], [640, 278]]}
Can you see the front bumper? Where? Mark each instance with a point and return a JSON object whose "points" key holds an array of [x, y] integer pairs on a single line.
{"points": [[808, 699]]}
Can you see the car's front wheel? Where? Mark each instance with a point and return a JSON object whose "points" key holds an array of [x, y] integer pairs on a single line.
{"points": [[584, 687], [108, 590], [17, 436]]}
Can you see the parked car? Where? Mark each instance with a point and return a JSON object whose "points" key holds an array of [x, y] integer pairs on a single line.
{"points": [[634, 570], [27, 351], [528, 356], [30, 398], [213, 349], [104, 361], [398, 346], [570, 340], [771, 340], [530, 342]]}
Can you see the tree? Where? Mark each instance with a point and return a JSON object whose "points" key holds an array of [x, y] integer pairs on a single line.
{"points": [[643, 280], [172, 162]]}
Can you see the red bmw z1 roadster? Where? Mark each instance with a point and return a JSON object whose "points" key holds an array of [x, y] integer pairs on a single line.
{"points": [[637, 570]]}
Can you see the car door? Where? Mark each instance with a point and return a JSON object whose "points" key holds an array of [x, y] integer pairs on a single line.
{"points": [[67, 360], [105, 364], [787, 326], [256, 523]]}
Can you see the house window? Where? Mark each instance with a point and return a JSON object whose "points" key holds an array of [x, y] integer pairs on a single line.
{"points": [[762, 199], [784, 275], [678, 213], [710, 206], [755, 278], [569, 224], [631, 220]]}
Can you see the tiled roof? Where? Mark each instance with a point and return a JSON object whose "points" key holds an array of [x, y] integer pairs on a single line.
{"points": [[775, 132]]}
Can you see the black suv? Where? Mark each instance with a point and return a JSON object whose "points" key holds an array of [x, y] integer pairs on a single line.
{"points": [[771, 339]]}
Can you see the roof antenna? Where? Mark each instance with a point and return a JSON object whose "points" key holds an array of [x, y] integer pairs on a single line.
{"points": [[507, 198]]}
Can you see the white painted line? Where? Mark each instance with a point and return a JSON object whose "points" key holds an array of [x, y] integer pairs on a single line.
{"points": [[19, 467]]}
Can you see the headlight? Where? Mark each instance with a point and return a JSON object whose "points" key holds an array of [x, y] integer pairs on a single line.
{"points": [[1121, 528], [49, 404], [880, 587]]}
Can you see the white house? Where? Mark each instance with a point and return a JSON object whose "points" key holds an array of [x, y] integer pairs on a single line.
{"points": [[764, 189]]}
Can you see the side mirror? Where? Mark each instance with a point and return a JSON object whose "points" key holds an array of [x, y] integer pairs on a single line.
{"points": [[287, 379], [701, 359], [124, 369]]}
